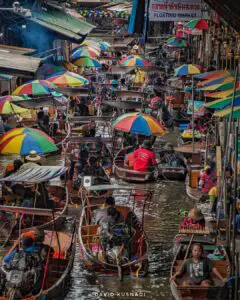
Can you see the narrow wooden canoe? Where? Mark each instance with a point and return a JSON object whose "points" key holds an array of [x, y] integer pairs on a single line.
{"points": [[196, 292], [90, 240], [128, 174], [59, 267]]}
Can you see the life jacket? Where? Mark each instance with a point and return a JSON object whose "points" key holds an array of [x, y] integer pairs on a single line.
{"points": [[22, 261]]}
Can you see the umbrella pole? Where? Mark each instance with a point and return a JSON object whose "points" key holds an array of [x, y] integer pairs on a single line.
{"points": [[193, 145]]}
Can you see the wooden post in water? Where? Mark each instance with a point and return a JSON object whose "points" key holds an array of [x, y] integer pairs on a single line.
{"points": [[193, 145]]}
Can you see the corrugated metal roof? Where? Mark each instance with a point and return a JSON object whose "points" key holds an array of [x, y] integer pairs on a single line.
{"points": [[16, 64], [35, 175], [62, 23]]}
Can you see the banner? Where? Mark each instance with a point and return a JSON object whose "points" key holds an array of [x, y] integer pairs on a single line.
{"points": [[198, 108], [174, 10]]}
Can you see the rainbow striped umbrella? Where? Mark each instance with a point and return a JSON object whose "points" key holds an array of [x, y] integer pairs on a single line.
{"points": [[133, 61], [92, 44], [219, 80], [197, 24], [68, 79], [223, 103], [221, 95], [220, 87], [87, 62], [104, 45], [186, 70], [85, 51], [22, 140], [212, 74], [36, 88], [227, 112], [8, 108], [48, 69], [139, 123]]}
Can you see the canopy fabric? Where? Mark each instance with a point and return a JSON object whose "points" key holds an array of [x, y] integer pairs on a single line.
{"points": [[87, 62], [176, 42], [220, 87], [222, 103], [134, 61], [139, 123], [85, 51], [214, 81], [67, 79], [7, 107], [212, 74], [36, 175], [227, 112], [186, 70], [35, 87], [35, 103], [197, 24]]}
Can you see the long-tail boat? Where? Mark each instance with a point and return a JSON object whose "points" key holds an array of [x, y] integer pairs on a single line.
{"points": [[128, 174], [50, 211], [56, 274], [193, 292], [91, 249]]}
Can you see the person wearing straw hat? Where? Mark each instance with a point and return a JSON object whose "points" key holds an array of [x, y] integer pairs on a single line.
{"points": [[195, 219], [32, 160]]}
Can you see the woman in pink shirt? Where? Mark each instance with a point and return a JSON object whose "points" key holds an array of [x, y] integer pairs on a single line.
{"points": [[207, 180]]}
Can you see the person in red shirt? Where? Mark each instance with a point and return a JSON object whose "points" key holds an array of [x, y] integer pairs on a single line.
{"points": [[145, 159]]}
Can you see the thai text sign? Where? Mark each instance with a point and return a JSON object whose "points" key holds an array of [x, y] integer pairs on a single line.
{"points": [[174, 10]]}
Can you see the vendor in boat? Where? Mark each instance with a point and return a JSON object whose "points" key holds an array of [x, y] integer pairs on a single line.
{"points": [[101, 213], [194, 220], [145, 160], [171, 158], [207, 180], [213, 197], [32, 160], [198, 269], [12, 168]]}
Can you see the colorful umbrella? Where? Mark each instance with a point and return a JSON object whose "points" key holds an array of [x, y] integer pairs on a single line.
{"points": [[8, 108], [87, 62], [139, 123], [221, 95], [49, 69], [22, 140], [35, 87], [85, 51], [68, 79], [213, 81], [227, 112], [176, 42], [220, 87], [104, 45], [197, 24], [212, 74], [92, 44], [133, 61], [186, 70], [223, 103]]}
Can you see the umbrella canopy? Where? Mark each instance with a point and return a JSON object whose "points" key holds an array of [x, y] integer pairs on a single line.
{"points": [[176, 42], [92, 44], [35, 87], [104, 45], [220, 87], [49, 69], [87, 62], [221, 95], [8, 108], [85, 51], [68, 79], [214, 81], [227, 112], [197, 24], [212, 74], [186, 70], [139, 123], [22, 140], [133, 61], [222, 103]]}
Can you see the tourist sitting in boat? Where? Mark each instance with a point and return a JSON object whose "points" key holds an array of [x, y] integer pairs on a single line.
{"points": [[198, 269], [207, 180], [171, 158], [145, 160], [195, 219], [101, 213]]}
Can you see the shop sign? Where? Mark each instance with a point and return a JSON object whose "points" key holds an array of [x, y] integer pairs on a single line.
{"points": [[174, 10]]}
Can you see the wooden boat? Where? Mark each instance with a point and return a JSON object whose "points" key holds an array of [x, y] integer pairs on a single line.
{"points": [[58, 267], [41, 217], [194, 193], [196, 292], [172, 173], [128, 174], [91, 250]]}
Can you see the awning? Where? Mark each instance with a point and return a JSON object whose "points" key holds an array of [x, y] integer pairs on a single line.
{"points": [[62, 23], [35, 175], [18, 65]]}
